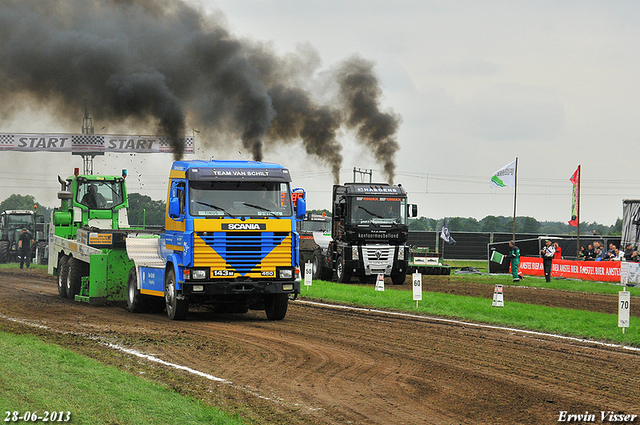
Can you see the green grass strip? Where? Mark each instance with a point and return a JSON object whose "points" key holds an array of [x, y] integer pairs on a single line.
{"points": [[563, 321], [39, 377], [583, 286]]}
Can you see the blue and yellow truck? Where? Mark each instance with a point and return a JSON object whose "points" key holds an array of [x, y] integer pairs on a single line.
{"points": [[229, 243]]}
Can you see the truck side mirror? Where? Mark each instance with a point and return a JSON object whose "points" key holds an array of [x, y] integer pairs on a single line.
{"points": [[174, 208], [338, 208], [301, 208], [412, 210]]}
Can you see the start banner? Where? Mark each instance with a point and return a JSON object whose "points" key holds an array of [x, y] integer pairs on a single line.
{"points": [[99, 143], [602, 271]]}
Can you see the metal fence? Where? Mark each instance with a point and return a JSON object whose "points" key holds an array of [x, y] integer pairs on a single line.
{"points": [[478, 245]]}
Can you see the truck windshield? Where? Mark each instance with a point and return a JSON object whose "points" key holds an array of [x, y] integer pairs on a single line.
{"points": [[239, 199], [315, 226], [378, 210], [100, 194], [19, 220]]}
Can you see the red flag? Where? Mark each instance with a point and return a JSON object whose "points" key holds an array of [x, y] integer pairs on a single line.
{"points": [[575, 202]]}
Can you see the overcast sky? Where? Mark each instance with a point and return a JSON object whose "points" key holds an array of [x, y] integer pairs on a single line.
{"points": [[477, 84]]}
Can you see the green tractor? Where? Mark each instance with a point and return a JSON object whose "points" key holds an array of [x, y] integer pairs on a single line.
{"points": [[11, 224]]}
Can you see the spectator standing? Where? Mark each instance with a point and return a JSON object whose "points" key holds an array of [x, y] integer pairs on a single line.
{"points": [[635, 257], [548, 252], [24, 245], [558, 254], [514, 256]]}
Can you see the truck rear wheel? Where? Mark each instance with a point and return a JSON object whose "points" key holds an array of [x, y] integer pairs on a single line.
{"points": [[398, 279], [62, 275], [135, 300], [41, 249], [76, 269], [341, 273], [319, 270], [177, 307], [275, 305], [4, 251]]}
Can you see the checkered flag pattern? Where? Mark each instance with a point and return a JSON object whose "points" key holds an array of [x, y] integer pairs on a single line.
{"points": [[166, 147], [87, 141], [6, 139]]}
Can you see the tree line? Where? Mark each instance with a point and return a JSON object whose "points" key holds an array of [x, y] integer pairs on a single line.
{"points": [[503, 224], [144, 210]]}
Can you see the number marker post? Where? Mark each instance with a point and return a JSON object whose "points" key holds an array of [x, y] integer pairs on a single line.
{"points": [[308, 274], [498, 299], [380, 283], [624, 308], [417, 287]]}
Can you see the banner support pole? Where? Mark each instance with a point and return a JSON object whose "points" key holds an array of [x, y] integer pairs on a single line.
{"points": [[515, 191], [578, 212]]}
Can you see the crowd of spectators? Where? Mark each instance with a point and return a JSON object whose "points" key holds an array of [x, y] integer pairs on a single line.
{"points": [[598, 252]]}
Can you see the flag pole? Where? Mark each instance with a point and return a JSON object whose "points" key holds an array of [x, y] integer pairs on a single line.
{"points": [[578, 212], [515, 191]]}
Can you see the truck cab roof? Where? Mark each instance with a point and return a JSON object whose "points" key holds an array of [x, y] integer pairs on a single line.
{"points": [[372, 189], [232, 170]]}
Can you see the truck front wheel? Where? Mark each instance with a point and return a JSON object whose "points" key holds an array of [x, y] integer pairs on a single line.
{"points": [[341, 273], [276, 306], [177, 307], [62, 275]]}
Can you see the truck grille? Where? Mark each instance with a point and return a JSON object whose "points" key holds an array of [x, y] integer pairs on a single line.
{"points": [[378, 259], [243, 252]]}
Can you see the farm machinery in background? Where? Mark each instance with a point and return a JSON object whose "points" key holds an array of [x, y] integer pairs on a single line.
{"points": [[427, 263], [229, 241], [315, 236], [368, 236], [11, 224]]}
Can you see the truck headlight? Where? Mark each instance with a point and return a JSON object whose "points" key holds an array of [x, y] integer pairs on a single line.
{"points": [[287, 287], [401, 253], [354, 253], [198, 274], [285, 274]]}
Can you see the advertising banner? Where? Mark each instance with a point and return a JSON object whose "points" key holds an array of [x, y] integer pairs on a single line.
{"points": [[602, 271], [89, 143]]}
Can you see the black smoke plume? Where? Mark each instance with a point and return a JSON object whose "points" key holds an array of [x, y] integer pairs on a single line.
{"points": [[360, 93], [162, 64]]}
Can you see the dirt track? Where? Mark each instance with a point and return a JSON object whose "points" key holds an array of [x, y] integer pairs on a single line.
{"points": [[324, 365]]}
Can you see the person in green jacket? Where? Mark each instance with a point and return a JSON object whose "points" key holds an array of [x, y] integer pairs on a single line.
{"points": [[514, 256]]}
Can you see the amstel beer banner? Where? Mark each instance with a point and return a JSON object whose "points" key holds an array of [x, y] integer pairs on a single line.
{"points": [[602, 271], [89, 143]]}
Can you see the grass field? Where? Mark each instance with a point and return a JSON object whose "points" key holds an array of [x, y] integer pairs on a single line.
{"points": [[578, 323], [55, 379], [38, 378]]}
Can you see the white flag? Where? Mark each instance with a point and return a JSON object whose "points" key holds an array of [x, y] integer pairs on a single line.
{"points": [[506, 176], [444, 234]]}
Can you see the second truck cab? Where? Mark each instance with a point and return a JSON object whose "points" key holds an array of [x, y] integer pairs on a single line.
{"points": [[370, 231]]}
